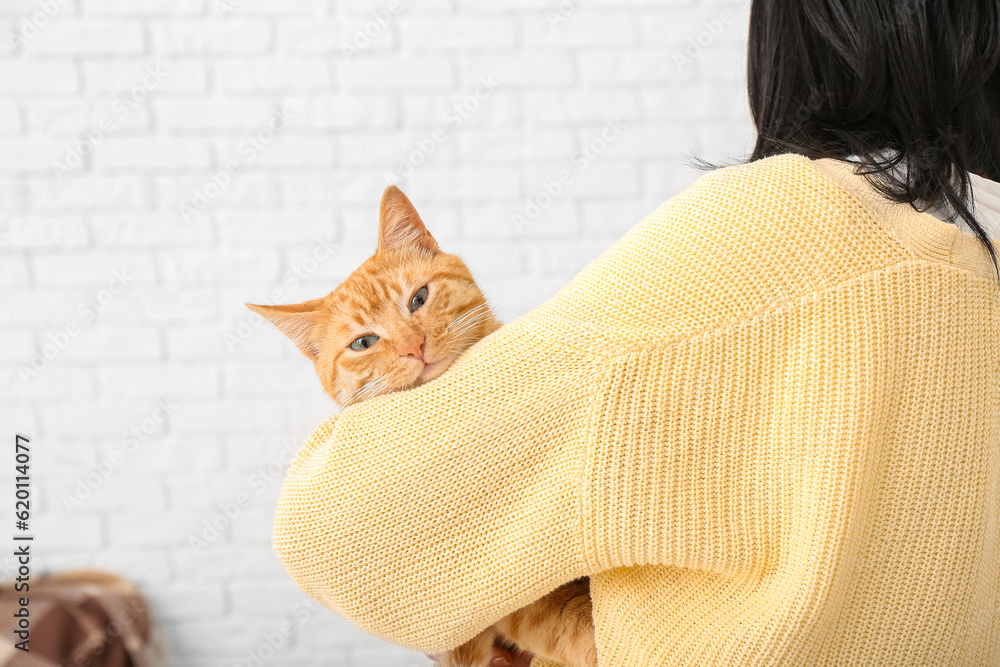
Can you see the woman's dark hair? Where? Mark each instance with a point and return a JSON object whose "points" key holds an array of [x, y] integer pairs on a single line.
{"points": [[910, 87]]}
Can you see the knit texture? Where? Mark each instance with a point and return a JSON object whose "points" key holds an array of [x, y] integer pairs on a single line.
{"points": [[766, 422]]}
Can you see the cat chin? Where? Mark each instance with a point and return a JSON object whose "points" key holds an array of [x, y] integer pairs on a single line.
{"points": [[434, 369], [429, 372]]}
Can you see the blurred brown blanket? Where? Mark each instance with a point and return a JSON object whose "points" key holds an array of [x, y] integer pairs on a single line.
{"points": [[82, 618]]}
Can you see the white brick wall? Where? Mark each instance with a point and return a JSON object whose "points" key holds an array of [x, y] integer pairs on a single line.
{"points": [[145, 104]]}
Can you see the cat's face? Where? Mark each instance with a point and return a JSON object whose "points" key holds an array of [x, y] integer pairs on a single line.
{"points": [[398, 321]]}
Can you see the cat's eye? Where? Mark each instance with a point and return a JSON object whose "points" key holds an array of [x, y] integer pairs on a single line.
{"points": [[363, 343], [418, 299]]}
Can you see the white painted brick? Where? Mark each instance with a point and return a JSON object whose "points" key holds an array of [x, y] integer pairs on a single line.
{"points": [[13, 199], [100, 419], [223, 636], [54, 383], [326, 631], [695, 103], [13, 33], [24, 419], [399, 151], [68, 460], [69, 36], [296, 74], [213, 114], [211, 267], [389, 655], [29, 76], [131, 153], [519, 70], [285, 8], [232, 35], [647, 66], [451, 183], [82, 191], [223, 562], [57, 308], [138, 565], [606, 177], [137, 530], [364, 186], [13, 273], [376, 72], [359, 223], [73, 116], [722, 64], [174, 75], [277, 226], [27, 8], [265, 378], [252, 452], [342, 111], [60, 532], [326, 36], [221, 341], [704, 27], [256, 522], [612, 218], [502, 107], [309, 188], [488, 145], [191, 493], [9, 117], [245, 189], [498, 222], [180, 602], [263, 598], [140, 304], [25, 155], [122, 272], [159, 230], [144, 493], [118, 344], [171, 455], [581, 106], [593, 30], [284, 150], [427, 33], [151, 7], [158, 380], [650, 140], [230, 417], [16, 345]]}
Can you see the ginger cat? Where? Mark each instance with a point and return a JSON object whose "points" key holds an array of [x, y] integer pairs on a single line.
{"points": [[398, 321]]}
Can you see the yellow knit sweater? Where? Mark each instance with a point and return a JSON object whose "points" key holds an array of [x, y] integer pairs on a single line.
{"points": [[766, 422]]}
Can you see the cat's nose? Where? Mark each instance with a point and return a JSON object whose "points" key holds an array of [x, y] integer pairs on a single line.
{"points": [[413, 347]]}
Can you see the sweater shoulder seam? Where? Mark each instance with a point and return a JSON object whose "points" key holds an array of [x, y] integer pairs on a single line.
{"points": [[788, 304]]}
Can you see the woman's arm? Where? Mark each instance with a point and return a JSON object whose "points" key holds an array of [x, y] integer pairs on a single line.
{"points": [[424, 516], [623, 422]]}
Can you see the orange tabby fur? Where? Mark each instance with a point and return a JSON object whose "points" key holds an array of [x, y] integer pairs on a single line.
{"points": [[415, 346]]}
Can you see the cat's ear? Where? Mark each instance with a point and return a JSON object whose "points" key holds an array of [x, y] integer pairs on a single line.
{"points": [[297, 321], [399, 226]]}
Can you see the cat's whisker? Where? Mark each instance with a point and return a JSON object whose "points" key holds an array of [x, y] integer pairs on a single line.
{"points": [[462, 342], [372, 391], [460, 320], [471, 324], [362, 390], [481, 310]]}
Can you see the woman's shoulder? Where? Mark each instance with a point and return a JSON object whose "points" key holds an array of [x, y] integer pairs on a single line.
{"points": [[738, 241]]}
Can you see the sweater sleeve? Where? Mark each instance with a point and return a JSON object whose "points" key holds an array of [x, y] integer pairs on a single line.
{"points": [[424, 516]]}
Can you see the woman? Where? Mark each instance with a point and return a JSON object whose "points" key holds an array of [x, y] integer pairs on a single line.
{"points": [[765, 422]]}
